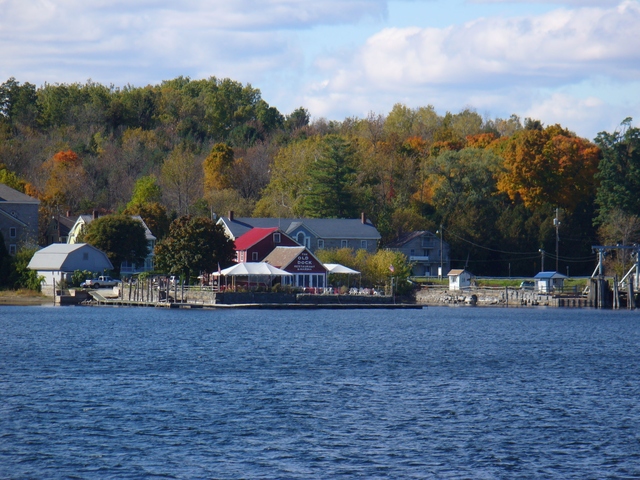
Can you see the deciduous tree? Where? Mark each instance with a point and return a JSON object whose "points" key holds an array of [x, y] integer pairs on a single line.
{"points": [[194, 245], [120, 237], [619, 171], [548, 166]]}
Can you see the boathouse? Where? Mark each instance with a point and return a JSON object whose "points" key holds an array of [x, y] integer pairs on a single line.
{"points": [[58, 261]]}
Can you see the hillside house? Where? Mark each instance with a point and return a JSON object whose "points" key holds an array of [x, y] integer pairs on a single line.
{"points": [[427, 253], [312, 233], [18, 218], [82, 221], [59, 228]]}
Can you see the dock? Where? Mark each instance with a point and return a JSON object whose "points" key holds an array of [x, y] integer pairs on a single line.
{"points": [[305, 303]]}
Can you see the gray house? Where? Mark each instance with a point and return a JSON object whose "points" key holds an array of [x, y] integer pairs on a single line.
{"points": [[425, 250], [58, 261], [312, 233], [18, 218]]}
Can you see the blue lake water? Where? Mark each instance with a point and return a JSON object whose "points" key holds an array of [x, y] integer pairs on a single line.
{"points": [[432, 393]]}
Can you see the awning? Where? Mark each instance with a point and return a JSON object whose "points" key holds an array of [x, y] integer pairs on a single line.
{"points": [[337, 268], [254, 268]]}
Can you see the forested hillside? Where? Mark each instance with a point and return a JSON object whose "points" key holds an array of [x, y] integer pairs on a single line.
{"points": [[208, 146]]}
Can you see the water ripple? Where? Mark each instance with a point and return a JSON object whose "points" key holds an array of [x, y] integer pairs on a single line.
{"points": [[438, 393]]}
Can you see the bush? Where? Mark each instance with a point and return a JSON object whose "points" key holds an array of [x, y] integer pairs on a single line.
{"points": [[80, 276], [22, 277]]}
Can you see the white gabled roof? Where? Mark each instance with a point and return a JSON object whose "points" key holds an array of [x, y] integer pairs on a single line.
{"points": [[68, 257]]}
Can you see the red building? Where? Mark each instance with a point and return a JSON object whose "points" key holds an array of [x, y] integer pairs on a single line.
{"points": [[307, 270], [257, 243]]}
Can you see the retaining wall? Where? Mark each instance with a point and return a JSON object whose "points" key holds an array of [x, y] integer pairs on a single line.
{"points": [[495, 297]]}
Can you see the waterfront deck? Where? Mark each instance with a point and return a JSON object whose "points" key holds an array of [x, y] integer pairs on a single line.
{"points": [[337, 302]]}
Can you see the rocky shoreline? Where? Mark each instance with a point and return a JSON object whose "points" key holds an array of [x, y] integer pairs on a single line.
{"points": [[505, 297]]}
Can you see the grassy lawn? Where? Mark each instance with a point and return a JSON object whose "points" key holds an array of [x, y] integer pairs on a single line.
{"points": [[569, 283]]}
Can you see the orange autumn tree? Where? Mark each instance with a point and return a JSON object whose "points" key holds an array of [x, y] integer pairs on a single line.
{"points": [[548, 165], [67, 180]]}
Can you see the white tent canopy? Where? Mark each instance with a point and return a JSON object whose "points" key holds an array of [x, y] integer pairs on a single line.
{"points": [[254, 268], [337, 268]]}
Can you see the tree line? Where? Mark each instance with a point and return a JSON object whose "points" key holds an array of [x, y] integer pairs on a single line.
{"points": [[203, 147]]}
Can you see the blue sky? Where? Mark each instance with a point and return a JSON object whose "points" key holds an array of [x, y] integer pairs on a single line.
{"points": [[571, 62]]}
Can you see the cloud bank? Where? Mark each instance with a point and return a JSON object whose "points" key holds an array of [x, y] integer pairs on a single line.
{"points": [[577, 62]]}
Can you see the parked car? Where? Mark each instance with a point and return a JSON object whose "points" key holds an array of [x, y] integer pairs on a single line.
{"points": [[527, 285], [100, 282]]}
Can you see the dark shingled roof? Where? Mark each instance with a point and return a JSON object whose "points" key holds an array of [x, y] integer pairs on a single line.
{"points": [[407, 237], [322, 227], [8, 194]]}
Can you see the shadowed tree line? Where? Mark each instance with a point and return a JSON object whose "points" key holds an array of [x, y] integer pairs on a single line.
{"points": [[203, 147]]}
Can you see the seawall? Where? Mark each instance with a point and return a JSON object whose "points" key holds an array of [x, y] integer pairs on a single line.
{"points": [[504, 297]]}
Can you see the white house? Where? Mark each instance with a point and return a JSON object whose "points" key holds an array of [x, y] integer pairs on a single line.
{"points": [[547, 282], [58, 261], [459, 279], [126, 267]]}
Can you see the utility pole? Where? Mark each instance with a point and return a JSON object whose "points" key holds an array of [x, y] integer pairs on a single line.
{"points": [[556, 223], [441, 266]]}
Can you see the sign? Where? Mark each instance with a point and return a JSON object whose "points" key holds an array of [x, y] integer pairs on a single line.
{"points": [[304, 263]]}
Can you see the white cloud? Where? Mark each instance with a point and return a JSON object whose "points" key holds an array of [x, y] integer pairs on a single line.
{"points": [[495, 64]]}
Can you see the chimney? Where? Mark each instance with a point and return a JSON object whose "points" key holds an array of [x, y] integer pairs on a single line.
{"points": [[95, 214], [231, 215], [68, 213], [363, 218]]}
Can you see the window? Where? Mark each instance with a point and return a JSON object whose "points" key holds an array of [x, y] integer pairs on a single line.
{"points": [[344, 243], [254, 256], [85, 256], [12, 249], [363, 244], [12, 232], [276, 238], [320, 243]]}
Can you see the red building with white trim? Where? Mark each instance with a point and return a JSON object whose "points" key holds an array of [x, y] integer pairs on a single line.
{"points": [[257, 243]]}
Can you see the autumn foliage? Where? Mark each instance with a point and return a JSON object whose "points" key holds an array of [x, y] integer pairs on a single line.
{"points": [[550, 166]]}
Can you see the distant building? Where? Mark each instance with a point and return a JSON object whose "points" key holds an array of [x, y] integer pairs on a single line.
{"points": [[58, 261], [312, 233], [18, 218], [425, 251], [59, 228], [547, 282], [459, 279], [80, 225]]}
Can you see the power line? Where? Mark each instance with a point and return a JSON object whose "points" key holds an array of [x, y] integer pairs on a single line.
{"points": [[530, 257], [490, 249]]}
